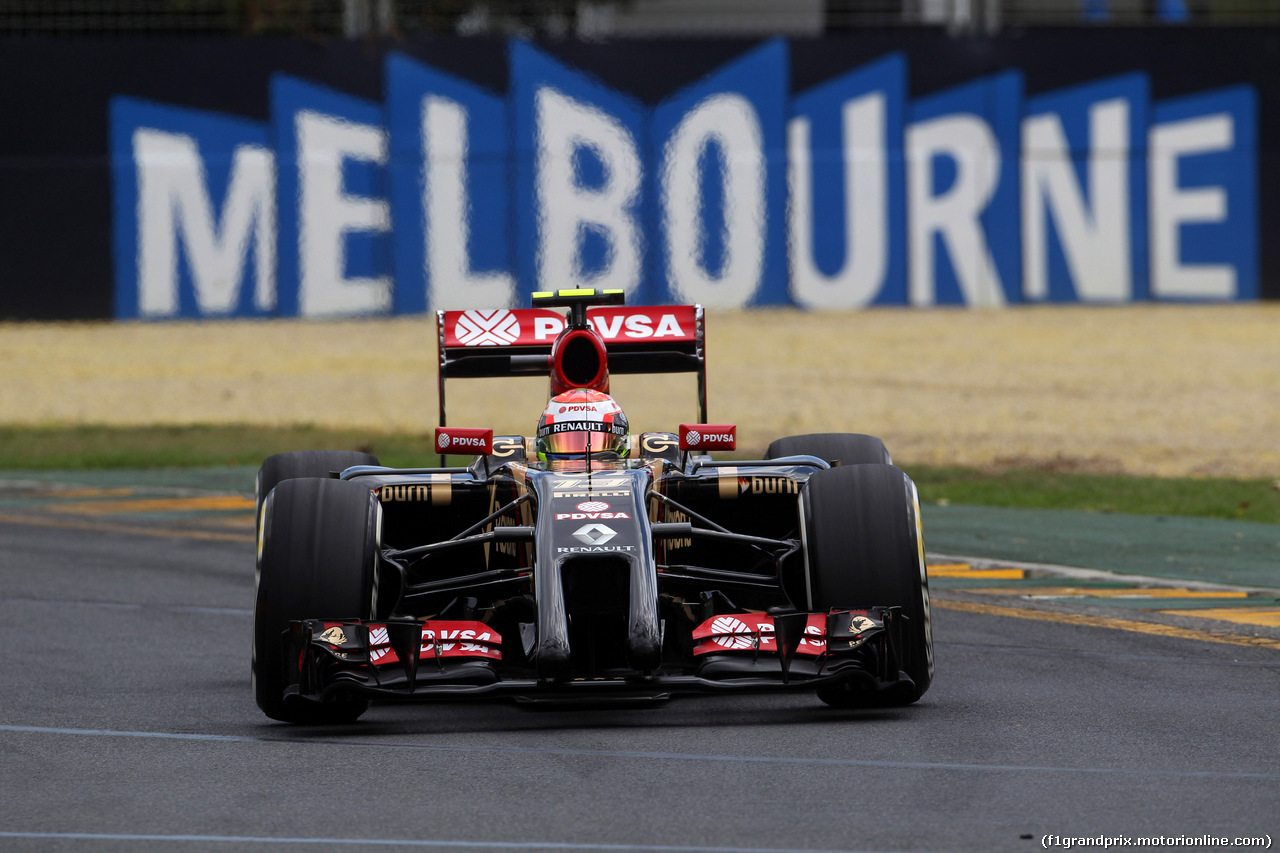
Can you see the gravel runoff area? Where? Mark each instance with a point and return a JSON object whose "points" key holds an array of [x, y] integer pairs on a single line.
{"points": [[1169, 390]]}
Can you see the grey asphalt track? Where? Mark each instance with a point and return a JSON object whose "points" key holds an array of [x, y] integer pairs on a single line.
{"points": [[126, 724]]}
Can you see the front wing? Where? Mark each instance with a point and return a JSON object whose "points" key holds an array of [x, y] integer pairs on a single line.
{"points": [[410, 659]]}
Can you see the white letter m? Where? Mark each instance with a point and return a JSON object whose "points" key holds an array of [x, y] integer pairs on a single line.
{"points": [[174, 203]]}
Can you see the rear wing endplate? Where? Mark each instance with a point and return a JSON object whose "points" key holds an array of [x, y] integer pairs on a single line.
{"points": [[517, 342]]}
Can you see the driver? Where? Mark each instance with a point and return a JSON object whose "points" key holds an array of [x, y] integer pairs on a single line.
{"points": [[582, 420]]}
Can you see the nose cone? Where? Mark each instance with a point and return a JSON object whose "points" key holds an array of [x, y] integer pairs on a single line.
{"points": [[595, 578]]}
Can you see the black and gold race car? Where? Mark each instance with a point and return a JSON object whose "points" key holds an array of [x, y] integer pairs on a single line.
{"points": [[587, 562]]}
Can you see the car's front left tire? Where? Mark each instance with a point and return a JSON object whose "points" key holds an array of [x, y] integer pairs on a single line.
{"points": [[864, 549]]}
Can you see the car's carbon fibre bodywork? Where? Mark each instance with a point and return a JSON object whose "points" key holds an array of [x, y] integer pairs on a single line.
{"points": [[624, 580], [655, 573]]}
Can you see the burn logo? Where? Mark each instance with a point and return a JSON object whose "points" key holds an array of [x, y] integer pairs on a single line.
{"points": [[768, 486]]}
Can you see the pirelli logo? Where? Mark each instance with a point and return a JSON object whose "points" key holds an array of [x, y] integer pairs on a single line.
{"points": [[590, 487], [595, 493], [438, 491], [589, 482]]}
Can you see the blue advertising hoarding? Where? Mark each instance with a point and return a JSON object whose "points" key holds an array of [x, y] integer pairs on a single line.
{"points": [[846, 172], [335, 221], [194, 209], [1204, 208], [731, 190], [450, 166], [1084, 182]]}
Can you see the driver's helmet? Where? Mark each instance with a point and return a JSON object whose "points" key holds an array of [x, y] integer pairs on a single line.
{"points": [[580, 420]]}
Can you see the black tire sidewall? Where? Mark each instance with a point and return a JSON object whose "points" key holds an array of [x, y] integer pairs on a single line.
{"points": [[863, 549], [298, 464], [846, 448], [317, 560]]}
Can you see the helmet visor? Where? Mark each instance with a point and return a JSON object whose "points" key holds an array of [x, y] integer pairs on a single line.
{"points": [[575, 438], [578, 443]]}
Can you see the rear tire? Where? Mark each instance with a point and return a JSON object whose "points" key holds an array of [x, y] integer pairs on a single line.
{"points": [[864, 549], [846, 448], [316, 560]]}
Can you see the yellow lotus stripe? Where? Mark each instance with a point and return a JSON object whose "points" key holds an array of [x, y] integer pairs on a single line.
{"points": [[1106, 622], [727, 482], [441, 489]]}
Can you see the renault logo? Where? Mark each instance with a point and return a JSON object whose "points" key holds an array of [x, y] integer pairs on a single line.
{"points": [[594, 534]]}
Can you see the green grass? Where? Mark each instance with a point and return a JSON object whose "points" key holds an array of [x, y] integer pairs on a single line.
{"points": [[64, 448], [60, 448], [1248, 500]]}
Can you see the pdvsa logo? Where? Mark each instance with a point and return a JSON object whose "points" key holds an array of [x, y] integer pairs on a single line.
{"points": [[732, 633], [708, 436], [464, 440], [633, 325], [487, 328]]}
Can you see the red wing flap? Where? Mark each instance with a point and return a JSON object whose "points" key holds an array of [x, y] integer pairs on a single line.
{"points": [[749, 632], [534, 329], [753, 632], [517, 342], [440, 639]]}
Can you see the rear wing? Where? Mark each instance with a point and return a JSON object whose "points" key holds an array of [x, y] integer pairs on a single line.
{"points": [[517, 342]]}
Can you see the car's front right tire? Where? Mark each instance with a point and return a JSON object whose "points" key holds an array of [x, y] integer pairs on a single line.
{"points": [[317, 555]]}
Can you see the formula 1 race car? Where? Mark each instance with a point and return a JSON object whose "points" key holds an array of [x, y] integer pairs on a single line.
{"points": [[585, 562]]}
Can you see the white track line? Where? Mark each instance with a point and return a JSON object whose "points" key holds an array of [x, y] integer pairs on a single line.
{"points": [[651, 756]]}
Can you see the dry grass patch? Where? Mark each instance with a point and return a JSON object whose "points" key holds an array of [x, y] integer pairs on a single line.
{"points": [[1169, 390]]}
